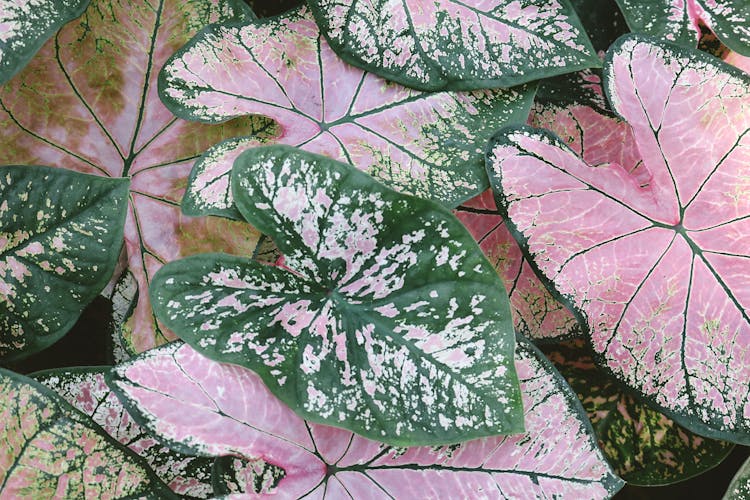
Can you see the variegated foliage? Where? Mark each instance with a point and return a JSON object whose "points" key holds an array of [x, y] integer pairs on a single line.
{"points": [[386, 318]]}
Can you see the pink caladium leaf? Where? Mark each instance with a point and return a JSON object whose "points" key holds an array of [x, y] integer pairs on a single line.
{"points": [[86, 390], [654, 263], [427, 144], [52, 450], [644, 446], [26, 24], [536, 314], [88, 102], [385, 319], [457, 45], [680, 21], [60, 237], [194, 403]]}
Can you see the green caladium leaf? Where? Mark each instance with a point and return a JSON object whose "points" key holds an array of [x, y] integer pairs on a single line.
{"points": [[60, 235], [52, 450], [739, 488], [388, 320], [457, 45], [88, 102], [26, 24], [237, 475], [426, 144], [644, 446], [86, 390], [602, 21], [679, 20]]}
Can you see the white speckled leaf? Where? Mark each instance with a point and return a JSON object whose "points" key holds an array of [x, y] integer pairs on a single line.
{"points": [[386, 320], [427, 144], [52, 450], [739, 488], [60, 236], [653, 258], [678, 20], [26, 24], [86, 390], [455, 44], [215, 408]]}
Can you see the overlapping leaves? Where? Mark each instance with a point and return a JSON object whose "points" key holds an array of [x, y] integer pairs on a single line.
{"points": [[88, 102], [452, 44], [60, 236], [427, 144], [194, 403], [653, 263], [391, 322]]}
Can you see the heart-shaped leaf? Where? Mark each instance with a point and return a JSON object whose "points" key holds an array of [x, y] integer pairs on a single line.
{"points": [[86, 390], [656, 270], [458, 45], [679, 20], [60, 236], [51, 450], [192, 402], [536, 315], [387, 321], [644, 446], [26, 24], [739, 488], [88, 102], [427, 144]]}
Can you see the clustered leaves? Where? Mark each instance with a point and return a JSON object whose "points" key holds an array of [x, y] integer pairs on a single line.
{"points": [[356, 218]]}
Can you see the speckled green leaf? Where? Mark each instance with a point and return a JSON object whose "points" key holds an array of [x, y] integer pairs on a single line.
{"points": [[60, 236], [26, 24], [51, 450], [86, 390], [644, 446], [454, 44], [602, 21], [386, 319], [234, 475], [679, 20], [739, 488]]}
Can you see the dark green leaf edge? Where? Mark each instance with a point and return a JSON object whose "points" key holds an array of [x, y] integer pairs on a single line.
{"points": [[689, 423], [159, 490], [456, 84], [120, 188]]}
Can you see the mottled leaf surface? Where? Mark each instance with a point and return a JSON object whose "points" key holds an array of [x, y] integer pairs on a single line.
{"points": [[739, 488], [653, 261], [386, 320], [679, 20], [427, 144], [86, 390], [237, 476], [199, 404], [89, 102], [60, 235], [644, 446], [26, 24], [51, 450], [454, 44], [536, 314]]}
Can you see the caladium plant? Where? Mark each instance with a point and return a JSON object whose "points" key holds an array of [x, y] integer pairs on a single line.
{"points": [[357, 306]]}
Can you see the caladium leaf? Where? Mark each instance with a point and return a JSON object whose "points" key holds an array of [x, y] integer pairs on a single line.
{"points": [[427, 144], [458, 45], [653, 263], [86, 390], [60, 235], [89, 102], [195, 403], [644, 446], [26, 24], [237, 475], [679, 20], [51, 450], [739, 488], [602, 21], [387, 320], [536, 315]]}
